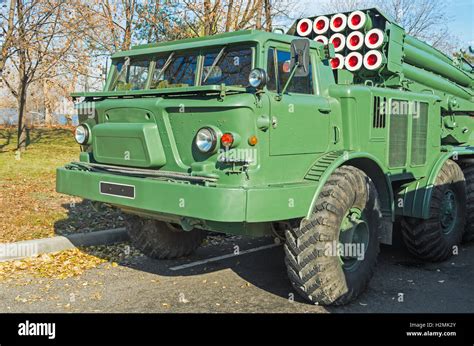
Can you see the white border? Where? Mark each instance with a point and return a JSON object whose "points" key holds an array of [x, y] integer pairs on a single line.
{"points": [[310, 27], [379, 42], [343, 41], [344, 22], [356, 67], [361, 40], [379, 61], [326, 25], [363, 20], [324, 38], [341, 59]]}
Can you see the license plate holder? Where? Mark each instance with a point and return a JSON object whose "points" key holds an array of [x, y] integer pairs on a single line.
{"points": [[117, 190]]}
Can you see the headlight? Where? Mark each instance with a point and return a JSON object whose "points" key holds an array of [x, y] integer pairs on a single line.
{"points": [[82, 134], [258, 78], [206, 140]]}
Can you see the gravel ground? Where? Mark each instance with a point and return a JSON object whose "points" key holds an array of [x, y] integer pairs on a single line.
{"points": [[253, 282]]}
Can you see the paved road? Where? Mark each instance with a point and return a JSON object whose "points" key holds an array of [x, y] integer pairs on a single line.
{"points": [[254, 282]]}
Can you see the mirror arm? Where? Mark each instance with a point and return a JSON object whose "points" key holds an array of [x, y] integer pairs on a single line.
{"points": [[292, 73]]}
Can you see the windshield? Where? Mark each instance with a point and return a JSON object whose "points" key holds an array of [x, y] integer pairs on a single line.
{"points": [[229, 65], [180, 71], [132, 75]]}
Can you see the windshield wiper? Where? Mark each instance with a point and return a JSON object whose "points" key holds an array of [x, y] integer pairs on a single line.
{"points": [[165, 66], [214, 63], [125, 65]]}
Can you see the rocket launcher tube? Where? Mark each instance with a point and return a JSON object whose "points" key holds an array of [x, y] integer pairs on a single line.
{"points": [[359, 20], [420, 58], [412, 41], [434, 81]]}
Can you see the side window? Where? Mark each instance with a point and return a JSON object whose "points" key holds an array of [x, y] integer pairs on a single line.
{"points": [[272, 84], [302, 85]]}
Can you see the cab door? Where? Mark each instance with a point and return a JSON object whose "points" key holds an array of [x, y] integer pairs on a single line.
{"points": [[300, 118]]}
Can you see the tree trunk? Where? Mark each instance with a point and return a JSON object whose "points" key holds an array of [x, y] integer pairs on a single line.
{"points": [[258, 20], [207, 17], [228, 22], [48, 120], [268, 15], [129, 13], [8, 37], [21, 116]]}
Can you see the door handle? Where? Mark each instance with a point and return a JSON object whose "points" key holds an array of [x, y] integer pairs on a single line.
{"points": [[274, 122], [337, 135], [324, 110]]}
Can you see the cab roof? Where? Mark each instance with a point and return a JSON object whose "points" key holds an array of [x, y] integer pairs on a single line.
{"points": [[209, 41]]}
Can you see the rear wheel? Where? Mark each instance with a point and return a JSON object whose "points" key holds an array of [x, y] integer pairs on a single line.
{"points": [[331, 258], [162, 240], [434, 239]]}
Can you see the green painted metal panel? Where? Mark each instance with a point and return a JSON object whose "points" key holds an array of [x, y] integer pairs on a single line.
{"points": [[128, 144], [218, 204], [398, 143], [196, 201], [419, 134]]}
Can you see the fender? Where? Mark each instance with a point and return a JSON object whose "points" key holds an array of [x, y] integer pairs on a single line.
{"points": [[415, 197], [370, 165]]}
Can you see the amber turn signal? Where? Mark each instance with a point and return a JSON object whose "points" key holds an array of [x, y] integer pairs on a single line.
{"points": [[253, 140]]}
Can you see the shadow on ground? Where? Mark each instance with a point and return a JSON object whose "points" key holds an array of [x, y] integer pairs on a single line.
{"points": [[82, 217], [264, 269]]}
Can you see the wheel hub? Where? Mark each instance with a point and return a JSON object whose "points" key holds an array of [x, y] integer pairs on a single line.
{"points": [[353, 238], [448, 211]]}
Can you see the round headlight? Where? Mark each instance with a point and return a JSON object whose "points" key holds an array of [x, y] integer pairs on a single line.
{"points": [[81, 134], [206, 139], [257, 78]]}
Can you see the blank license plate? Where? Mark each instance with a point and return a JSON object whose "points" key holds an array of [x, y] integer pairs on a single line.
{"points": [[119, 190]]}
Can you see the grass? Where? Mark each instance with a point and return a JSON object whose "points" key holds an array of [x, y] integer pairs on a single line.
{"points": [[29, 205]]}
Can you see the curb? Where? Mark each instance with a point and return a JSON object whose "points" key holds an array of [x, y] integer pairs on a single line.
{"points": [[30, 248]]}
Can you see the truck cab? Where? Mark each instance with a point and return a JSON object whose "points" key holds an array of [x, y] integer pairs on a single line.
{"points": [[183, 116]]}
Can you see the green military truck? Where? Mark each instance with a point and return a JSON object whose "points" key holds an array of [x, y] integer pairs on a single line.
{"points": [[326, 136]]}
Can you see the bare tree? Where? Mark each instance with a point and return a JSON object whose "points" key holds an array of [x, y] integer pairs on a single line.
{"points": [[7, 33], [222, 16], [427, 20], [44, 33]]}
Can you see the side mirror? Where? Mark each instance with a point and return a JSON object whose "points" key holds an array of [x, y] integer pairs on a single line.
{"points": [[299, 64], [300, 56]]}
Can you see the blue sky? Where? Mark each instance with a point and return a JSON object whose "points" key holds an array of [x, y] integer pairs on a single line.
{"points": [[462, 24]]}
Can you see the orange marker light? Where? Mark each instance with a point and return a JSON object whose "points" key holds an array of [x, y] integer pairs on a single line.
{"points": [[253, 140]]}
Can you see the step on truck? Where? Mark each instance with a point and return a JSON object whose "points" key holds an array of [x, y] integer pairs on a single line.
{"points": [[325, 136]]}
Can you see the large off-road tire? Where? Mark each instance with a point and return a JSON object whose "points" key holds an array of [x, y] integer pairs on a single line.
{"points": [[434, 239], [347, 211], [161, 240], [469, 227]]}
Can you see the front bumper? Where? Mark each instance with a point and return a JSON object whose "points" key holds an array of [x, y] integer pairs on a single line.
{"points": [[221, 204]]}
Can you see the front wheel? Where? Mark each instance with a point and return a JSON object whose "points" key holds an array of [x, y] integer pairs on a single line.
{"points": [[331, 258], [162, 240]]}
